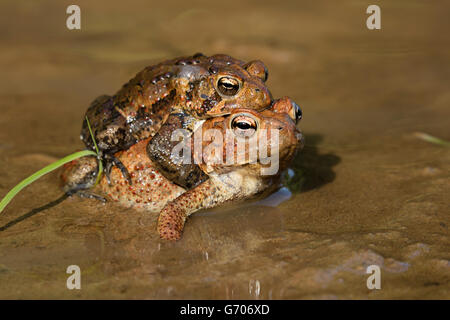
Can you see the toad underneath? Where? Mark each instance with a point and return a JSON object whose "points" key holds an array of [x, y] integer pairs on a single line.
{"points": [[261, 145]]}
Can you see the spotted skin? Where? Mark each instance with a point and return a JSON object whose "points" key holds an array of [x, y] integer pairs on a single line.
{"points": [[150, 191], [186, 85], [234, 182]]}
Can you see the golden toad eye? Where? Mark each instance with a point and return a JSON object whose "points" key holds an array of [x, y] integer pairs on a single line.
{"points": [[244, 126], [228, 86]]}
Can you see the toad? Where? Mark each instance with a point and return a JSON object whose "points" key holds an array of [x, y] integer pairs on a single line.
{"points": [[190, 89], [257, 148]]}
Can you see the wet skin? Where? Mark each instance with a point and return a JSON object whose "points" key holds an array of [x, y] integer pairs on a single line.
{"points": [[151, 191], [187, 88]]}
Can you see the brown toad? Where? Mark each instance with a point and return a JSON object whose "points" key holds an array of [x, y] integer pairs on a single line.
{"points": [[191, 88], [240, 178]]}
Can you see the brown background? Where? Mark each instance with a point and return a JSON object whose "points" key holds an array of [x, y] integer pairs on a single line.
{"points": [[370, 191]]}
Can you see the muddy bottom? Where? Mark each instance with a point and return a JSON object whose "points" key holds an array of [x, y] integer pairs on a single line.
{"points": [[364, 191]]}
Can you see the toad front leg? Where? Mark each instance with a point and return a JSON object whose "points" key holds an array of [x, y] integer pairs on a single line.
{"points": [[209, 194]]}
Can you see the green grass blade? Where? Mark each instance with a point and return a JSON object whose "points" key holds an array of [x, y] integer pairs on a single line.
{"points": [[100, 171], [92, 135], [11, 194], [100, 164], [429, 138]]}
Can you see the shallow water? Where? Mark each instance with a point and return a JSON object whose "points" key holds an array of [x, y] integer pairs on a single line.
{"points": [[365, 190]]}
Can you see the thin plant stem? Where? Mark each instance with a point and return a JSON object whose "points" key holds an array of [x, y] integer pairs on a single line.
{"points": [[100, 164], [432, 139]]}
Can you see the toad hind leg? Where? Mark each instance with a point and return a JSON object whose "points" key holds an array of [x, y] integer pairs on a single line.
{"points": [[87, 195], [173, 216], [113, 161], [209, 194], [80, 175]]}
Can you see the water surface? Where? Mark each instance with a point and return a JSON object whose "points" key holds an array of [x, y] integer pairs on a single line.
{"points": [[364, 190]]}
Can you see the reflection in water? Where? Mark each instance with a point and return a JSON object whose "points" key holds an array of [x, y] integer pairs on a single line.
{"points": [[34, 212], [281, 195]]}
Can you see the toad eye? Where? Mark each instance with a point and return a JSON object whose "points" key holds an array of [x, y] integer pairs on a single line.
{"points": [[297, 112], [228, 86], [244, 126]]}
